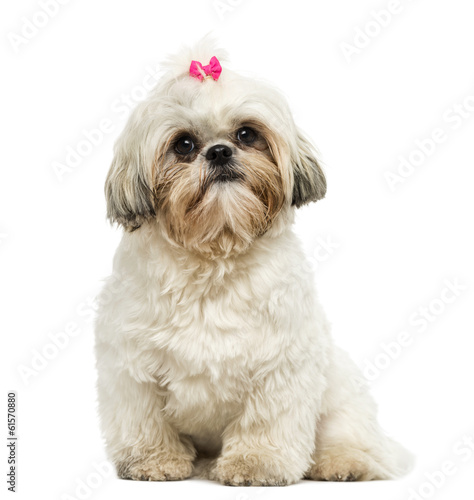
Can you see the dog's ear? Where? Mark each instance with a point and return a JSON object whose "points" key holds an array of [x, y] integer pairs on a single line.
{"points": [[309, 182], [128, 190]]}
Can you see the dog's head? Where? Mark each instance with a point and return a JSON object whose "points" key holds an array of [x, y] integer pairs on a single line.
{"points": [[214, 159]]}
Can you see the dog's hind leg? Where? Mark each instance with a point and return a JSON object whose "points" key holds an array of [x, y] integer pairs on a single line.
{"points": [[350, 444]]}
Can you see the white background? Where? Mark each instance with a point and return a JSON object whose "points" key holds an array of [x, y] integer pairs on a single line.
{"points": [[390, 253]]}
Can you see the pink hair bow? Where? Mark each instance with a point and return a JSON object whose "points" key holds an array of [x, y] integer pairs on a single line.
{"points": [[214, 69]]}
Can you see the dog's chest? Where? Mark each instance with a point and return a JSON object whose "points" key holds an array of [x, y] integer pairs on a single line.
{"points": [[201, 405], [208, 373], [210, 341]]}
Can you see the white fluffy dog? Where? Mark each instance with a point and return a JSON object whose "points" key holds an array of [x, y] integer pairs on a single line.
{"points": [[210, 340]]}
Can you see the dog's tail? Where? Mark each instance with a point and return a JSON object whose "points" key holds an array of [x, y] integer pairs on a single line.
{"points": [[402, 461]]}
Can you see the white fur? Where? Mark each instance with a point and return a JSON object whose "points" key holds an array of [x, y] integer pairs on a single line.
{"points": [[230, 356]]}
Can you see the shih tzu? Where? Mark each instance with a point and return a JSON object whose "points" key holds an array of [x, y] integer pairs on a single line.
{"points": [[210, 341]]}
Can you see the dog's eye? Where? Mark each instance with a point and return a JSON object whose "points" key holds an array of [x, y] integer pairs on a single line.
{"points": [[246, 135], [184, 145]]}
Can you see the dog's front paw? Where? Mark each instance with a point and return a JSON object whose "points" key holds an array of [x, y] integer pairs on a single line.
{"points": [[165, 468], [339, 463], [249, 470]]}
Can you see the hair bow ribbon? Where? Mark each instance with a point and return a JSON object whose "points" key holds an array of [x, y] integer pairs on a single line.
{"points": [[214, 69]]}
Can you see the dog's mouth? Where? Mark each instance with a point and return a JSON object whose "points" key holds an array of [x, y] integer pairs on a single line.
{"points": [[227, 176], [222, 174]]}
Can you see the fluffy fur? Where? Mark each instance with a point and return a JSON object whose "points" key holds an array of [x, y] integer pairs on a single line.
{"points": [[214, 357]]}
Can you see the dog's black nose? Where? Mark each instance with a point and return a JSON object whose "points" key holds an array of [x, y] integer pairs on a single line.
{"points": [[219, 154]]}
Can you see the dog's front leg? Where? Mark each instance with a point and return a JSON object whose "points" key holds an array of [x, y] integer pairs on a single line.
{"points": [[140, 442], [271, 441]]}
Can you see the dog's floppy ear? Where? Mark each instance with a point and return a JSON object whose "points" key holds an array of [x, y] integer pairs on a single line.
{"points": [[309, 181], [130, 199]]}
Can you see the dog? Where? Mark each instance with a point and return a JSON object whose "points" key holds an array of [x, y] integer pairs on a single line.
{"points": [[214, 357]]}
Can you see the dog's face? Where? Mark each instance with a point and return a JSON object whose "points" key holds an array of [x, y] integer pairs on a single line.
{"points": [[213, 163], [218, 182]]}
